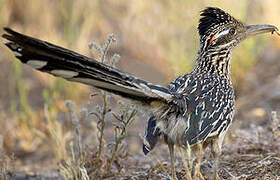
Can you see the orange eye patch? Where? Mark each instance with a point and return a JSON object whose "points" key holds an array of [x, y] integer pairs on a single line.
{"points": [[211, 40]]}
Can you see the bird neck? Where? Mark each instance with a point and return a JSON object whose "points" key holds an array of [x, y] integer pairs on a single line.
{"points": [[214, 61]]}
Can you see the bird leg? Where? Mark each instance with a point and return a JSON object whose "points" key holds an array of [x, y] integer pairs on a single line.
{"points": [[216, 152], [172, 157]]}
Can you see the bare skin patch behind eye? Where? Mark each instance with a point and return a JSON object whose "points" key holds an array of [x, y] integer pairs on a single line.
{"points": [[211, 39], [217, 35]]}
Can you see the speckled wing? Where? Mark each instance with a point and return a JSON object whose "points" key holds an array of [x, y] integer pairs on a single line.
{"points": [[206, 103]]}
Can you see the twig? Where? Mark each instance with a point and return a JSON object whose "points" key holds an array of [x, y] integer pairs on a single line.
{"points": [[101, 122], [125, 120]]}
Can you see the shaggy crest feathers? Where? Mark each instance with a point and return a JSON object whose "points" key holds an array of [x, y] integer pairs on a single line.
{"points": [[213, 18]]}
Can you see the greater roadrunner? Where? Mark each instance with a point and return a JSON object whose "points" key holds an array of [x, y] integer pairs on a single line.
{"points": [[194, 108]]}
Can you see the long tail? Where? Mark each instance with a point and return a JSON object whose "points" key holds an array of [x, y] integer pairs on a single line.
{"points": [[72, 66]]}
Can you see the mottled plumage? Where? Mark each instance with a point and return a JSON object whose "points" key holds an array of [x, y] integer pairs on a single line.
{"points": [[202, 105], [195, 107]]}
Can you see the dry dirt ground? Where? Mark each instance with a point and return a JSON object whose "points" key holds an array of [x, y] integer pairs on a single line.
{"points": [[250, 155]]}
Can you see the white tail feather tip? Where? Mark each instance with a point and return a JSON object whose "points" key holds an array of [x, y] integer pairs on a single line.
{"points": [[36, 63], [17, 54], [64, 73]]}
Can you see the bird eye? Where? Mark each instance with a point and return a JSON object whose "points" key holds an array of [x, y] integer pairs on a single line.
{"points": [[232, 31]]}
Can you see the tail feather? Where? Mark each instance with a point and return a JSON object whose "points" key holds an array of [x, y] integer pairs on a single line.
{"points": [[72, 66], [151, 135]]}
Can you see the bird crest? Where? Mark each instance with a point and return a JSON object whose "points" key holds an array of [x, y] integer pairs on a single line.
{"points": [[213, 19]]}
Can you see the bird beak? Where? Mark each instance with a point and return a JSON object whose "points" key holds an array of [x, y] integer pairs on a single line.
{"points": [[260, 29]]}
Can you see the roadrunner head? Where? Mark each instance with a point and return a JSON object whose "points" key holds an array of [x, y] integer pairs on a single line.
{"points": [[219, 34], [219, 30]]}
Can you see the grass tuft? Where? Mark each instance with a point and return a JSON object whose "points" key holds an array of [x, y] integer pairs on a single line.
{"points": [[101, 159], [74, 167]]}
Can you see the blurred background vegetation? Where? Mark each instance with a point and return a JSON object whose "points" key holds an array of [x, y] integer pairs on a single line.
{"points": [[157, 40]]}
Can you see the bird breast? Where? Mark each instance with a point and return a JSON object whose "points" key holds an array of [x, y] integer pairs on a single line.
{"points": [[202, 107]]}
